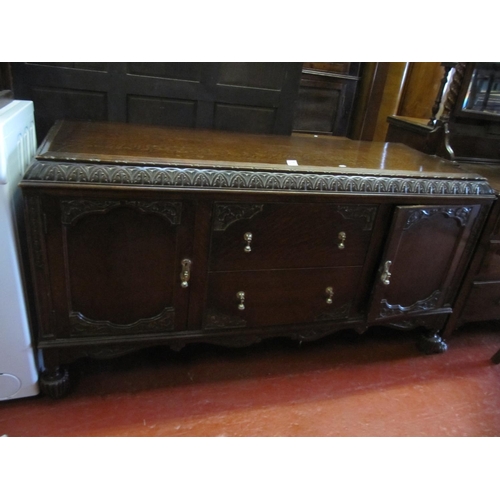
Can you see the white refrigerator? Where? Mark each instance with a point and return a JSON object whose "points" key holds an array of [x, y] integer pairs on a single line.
{"points": [[18, 371]]}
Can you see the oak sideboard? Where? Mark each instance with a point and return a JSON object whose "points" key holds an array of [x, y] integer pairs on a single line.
{"points": [[142, 236]]}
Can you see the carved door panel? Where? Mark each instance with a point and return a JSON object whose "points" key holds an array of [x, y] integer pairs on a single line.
{"points": [[426, 248], [114, 266]]}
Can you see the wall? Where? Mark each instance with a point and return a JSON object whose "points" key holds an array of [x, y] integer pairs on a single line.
{"points": [[385, 89], [391, 100], [394, 88], [421, 85]]}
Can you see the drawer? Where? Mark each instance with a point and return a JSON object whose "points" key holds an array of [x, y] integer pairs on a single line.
{"points": [[289, 235], [280, 297], [483, 303], [495, 234], [490, 266]]}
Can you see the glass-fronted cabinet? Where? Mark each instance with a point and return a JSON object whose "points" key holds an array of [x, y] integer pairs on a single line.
{"points": [[481, 94]]}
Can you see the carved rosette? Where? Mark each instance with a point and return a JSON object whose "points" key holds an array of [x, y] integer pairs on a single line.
{"points": [[462, 214], [227, 214], [72, 210], [81, 325], [214, 178], [430, 303]]}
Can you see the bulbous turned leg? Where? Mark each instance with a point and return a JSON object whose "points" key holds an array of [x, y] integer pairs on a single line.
{"points": [[432, 343], [55, 383]]}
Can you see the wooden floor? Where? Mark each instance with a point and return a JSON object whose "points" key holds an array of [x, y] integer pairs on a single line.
{"points": [[376, 384]]}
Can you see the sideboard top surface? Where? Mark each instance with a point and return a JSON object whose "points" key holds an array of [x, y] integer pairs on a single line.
{"points": [[490, 171], [114, 143]]}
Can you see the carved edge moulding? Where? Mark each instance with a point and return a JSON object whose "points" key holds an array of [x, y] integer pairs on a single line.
{"points": [[200, 179]]}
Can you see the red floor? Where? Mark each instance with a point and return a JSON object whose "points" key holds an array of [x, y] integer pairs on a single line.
{"points": [[377, 384]]}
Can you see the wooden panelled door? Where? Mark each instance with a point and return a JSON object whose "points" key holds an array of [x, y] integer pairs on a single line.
{"points": [[419, 267], [245, 97], [113, 266]]}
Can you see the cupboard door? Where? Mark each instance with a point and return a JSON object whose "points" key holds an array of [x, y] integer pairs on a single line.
{"points": [[424, 253], [265, 298], [115, 265], [289, 235]]}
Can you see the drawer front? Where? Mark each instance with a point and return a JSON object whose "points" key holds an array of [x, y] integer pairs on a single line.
{"points": [[280, 297], [289, 235], [490, 267], [483, 303]]}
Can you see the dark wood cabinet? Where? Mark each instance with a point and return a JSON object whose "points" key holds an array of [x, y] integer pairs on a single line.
{"points": [[187, 236]]}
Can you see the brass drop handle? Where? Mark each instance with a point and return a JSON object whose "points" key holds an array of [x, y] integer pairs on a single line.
{"points": [[386, 275], [342, 237], [329, 292], [241, 297], [248, 238], [185, 272]]}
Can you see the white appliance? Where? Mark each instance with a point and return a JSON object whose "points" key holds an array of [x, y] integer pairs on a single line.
{"points": [[18, 371]]}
